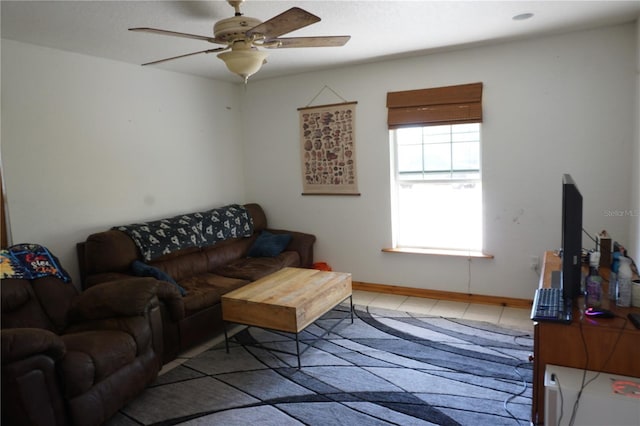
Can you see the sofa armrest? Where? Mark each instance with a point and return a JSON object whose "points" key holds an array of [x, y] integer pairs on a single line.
{"points": [[300, 242], [130, 306], [169, 295], [31, 392], [21, 343], [129, 297]]}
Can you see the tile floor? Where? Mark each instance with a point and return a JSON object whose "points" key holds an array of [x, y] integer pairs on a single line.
{"points": [[508, 317]]}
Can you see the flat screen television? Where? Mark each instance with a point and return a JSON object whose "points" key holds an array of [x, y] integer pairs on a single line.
{"points": [[571, 274]]}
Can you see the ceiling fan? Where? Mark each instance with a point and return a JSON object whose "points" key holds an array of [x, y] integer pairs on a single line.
{"points": [[243, 35]]}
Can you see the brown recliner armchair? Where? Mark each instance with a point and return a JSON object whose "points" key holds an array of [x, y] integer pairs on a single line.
{"points": [[72, 358]]}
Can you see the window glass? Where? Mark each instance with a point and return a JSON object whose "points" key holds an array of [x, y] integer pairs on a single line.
{"points": [[437, 200]]}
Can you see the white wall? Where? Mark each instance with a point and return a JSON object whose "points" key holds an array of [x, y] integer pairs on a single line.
{"points": [[561, 104], [88, 143]]}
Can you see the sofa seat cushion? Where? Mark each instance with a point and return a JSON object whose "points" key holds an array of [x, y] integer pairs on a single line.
{"points": [[141, 269], [92, 356], [204, 290], [254, 268]]}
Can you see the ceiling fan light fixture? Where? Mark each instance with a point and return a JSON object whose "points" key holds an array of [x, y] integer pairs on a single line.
{"points": [[243, 62]]}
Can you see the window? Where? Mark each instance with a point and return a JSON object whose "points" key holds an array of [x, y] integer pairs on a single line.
{"points": [[436, 169], [437, 187]]}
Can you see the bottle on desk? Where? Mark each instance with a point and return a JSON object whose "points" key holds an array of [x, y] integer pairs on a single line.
{"points": [[623, 290], [613, 276], [593, 282]]}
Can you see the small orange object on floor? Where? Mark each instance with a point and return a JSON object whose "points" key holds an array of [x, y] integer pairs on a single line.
{"points": [[322, 266]]}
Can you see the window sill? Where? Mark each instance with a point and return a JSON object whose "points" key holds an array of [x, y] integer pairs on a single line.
{"points": [[439, 252]]}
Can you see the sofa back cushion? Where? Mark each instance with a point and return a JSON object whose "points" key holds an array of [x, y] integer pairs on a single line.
{"points": [[190, 263], [40, 303], [227, 251], [183, 264], [201, 229], [160, 237], [114, 251], [221, 224], [56, 298], [20, 307], [257, 215], [109, 251]]}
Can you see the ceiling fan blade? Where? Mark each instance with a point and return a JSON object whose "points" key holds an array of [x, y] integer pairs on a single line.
{"points": [[328, 41], [291, 20], [184, 56], [176, 34]]}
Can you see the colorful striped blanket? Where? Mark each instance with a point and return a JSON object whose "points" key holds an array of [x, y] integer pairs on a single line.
{"points": [[30, 261]]}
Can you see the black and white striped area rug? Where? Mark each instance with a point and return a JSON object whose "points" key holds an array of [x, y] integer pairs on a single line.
{"points": [[387, 368]]}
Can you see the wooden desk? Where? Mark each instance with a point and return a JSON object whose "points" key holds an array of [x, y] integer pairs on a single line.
{"points": [[610, 345]]}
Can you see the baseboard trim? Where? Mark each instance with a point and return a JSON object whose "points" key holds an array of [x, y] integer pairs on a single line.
{"points": [[443, 295]]}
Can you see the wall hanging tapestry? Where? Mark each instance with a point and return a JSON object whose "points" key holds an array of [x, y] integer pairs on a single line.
{"points": [[327, 137]]}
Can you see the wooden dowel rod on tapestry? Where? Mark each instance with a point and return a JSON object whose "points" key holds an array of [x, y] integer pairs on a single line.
{"points": [[329, 105]]}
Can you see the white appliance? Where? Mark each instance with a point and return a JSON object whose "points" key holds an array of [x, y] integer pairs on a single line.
{"points": [[609, 399]]}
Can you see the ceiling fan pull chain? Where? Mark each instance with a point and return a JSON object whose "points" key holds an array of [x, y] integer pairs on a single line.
{"points": [[322, 90]]}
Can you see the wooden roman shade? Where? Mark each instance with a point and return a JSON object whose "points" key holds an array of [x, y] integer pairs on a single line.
{"points": [[440, 105]]}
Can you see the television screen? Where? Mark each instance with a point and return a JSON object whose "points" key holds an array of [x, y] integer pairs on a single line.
{"points": [[571, 238]]}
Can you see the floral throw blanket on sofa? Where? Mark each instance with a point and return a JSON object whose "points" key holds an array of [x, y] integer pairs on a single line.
{"points": [[200, 229]]}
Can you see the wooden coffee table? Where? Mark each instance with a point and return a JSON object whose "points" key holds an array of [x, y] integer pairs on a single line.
{"points": [[288, 300]]}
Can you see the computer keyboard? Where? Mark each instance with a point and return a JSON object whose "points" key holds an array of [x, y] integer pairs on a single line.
{"points": [[549, 305]]}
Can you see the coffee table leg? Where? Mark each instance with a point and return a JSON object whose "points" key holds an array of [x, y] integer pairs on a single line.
{"points": [[298, 350], [351, 308], [226, 337]]}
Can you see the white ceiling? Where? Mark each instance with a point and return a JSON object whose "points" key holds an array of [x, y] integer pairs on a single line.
{"points": [[379, 29]]}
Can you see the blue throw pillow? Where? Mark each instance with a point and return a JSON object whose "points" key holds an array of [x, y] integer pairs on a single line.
{"points": [[141, 269], [269, 245]]}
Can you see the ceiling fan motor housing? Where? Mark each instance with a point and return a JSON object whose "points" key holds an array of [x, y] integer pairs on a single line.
{"points": [[234, 28]]}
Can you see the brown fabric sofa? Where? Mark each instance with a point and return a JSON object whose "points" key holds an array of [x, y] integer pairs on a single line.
{"points": [[205, 272], [72, 358]]}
